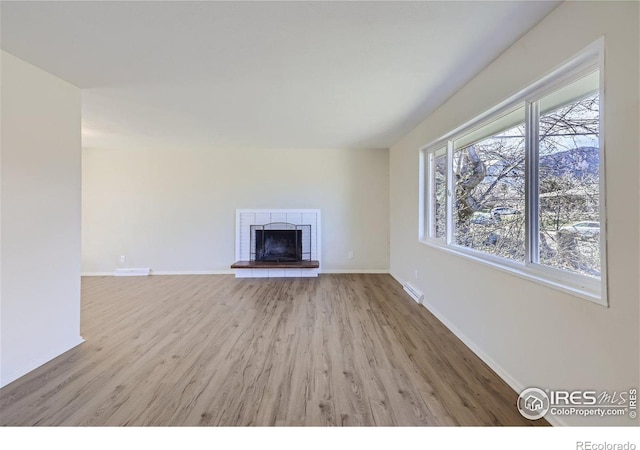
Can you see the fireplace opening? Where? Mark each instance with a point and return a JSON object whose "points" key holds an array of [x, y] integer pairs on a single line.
{"points": [[280, 242], [278, 245]]}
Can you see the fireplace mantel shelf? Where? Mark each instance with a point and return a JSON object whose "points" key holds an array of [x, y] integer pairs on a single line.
{"points": [[275, 265]]}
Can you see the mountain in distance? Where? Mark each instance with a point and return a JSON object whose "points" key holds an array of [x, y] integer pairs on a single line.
{"points": [[577, 163]]}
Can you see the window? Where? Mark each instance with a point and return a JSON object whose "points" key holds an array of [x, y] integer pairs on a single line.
{"points": [[438, 192], [569, 184], [521, 188], [489, 177]]}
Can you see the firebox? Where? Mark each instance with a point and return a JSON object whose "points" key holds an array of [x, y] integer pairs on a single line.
{"points": [[280, 242], [278, 245]]}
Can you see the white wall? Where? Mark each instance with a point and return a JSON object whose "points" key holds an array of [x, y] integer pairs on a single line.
{"points": [[40, 220], [534, 335], [173, 209]]}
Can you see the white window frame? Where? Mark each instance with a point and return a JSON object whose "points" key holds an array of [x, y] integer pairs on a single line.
{"points": [[588, 61]]}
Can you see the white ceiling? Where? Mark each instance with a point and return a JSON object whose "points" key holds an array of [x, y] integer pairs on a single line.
{"points": [[261, 74]]}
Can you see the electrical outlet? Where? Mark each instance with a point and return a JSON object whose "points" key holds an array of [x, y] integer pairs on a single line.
{"points": [[416, 274], [123, 258], [350, 255]]}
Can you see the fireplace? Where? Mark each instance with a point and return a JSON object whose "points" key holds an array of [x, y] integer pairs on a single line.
{"points": [[278, 245], [273, 243]]}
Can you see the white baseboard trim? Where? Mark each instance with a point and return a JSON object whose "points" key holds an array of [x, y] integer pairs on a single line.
{"points": [[165, 272], [354, 271], [193, 272], [497, 368], [228, 272]]}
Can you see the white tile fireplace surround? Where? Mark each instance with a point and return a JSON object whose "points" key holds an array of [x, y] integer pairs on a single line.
{"points": [[247, 217]]}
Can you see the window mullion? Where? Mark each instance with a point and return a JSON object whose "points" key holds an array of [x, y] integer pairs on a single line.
{"points": [[532, 216], [430, 204], [450, 193]]}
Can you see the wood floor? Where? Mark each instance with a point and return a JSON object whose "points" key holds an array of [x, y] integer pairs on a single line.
{"points": [[215, 350]]}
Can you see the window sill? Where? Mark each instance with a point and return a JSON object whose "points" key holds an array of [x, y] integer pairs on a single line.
{"points": [[560, 283]]}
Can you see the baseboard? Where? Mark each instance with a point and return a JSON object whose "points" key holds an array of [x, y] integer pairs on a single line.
{"points": [[327, 271], [165, 272], [229, 272], [193, 272], [497, 368]]}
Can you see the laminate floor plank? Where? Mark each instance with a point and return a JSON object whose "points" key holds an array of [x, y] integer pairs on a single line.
{"points": [[213, 350]]}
